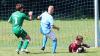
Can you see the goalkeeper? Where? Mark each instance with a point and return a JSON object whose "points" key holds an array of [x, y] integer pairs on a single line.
{"points": [[78, 46], [16, 19]]}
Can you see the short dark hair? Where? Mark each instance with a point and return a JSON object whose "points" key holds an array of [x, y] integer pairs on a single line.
{"points": [[79, 37], [19, 6]]}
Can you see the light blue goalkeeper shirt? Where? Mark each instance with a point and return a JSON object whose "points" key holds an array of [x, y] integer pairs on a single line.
{"points": [[46, 23]]}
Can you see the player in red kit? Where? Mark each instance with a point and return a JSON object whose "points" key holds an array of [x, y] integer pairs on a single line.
{"points": [[78, 45]]}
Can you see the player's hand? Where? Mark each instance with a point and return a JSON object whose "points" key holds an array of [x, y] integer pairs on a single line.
{"points": [[38, 17], [57, 28], [30, 13]]}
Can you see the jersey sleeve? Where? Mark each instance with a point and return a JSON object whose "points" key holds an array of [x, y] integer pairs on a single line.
{"points": [[25, 17], [70, 48], [41, 16], [74, 47], [51, 21]]}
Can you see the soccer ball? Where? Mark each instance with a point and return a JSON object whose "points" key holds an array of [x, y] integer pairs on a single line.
{"points": [[80, 50]]}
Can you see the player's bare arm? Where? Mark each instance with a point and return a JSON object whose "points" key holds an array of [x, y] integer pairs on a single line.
{"points": [[30, 15], [55, 27], [9, 20], [86, 45]]}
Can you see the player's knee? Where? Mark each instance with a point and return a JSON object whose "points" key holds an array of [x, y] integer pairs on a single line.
{"points": [[55, 39], [28, 37]]}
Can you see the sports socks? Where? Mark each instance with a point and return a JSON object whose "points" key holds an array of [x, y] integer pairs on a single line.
{"points": [[54, 45], [25, 44], [20, 44], [44, 41]]}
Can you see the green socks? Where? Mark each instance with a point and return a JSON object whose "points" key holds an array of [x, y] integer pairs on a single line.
{"points": [[20, 45], [25, 44]]}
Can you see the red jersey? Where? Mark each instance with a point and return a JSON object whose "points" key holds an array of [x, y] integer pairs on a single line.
{"points": [[73, 47]]}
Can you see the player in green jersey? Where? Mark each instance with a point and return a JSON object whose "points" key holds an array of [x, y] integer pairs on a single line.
{"points": [[16, 19]]}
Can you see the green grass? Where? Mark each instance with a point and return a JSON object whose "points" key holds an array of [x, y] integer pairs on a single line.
{"points": [[68, 30], [5, 51]]}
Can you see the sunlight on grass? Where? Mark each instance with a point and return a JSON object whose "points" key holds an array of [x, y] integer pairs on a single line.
{"points": [[68, 30]]}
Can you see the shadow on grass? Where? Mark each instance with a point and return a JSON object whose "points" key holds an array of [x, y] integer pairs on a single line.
{"points": [[92, 51], [63, 52], [40, 53], [47, 52]]}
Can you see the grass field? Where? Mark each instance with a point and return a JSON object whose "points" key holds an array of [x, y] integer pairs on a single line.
{"points": [[68, 30]]}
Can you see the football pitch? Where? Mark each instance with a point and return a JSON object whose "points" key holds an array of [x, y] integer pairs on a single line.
{"points": [[68, 30]]}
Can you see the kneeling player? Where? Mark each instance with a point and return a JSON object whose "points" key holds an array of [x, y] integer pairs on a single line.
{"points": [[78, 46]]}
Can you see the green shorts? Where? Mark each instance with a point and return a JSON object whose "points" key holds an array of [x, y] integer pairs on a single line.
{"points": [[20, 33]]}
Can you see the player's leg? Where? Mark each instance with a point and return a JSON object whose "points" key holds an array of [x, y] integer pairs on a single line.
{"points": [[25, 37], [44, 40], [25, 44], [20, 42], [20, 45], [54, 41]]}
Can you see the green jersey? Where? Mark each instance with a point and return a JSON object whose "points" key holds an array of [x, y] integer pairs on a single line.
{"points": [[16, 19]]}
